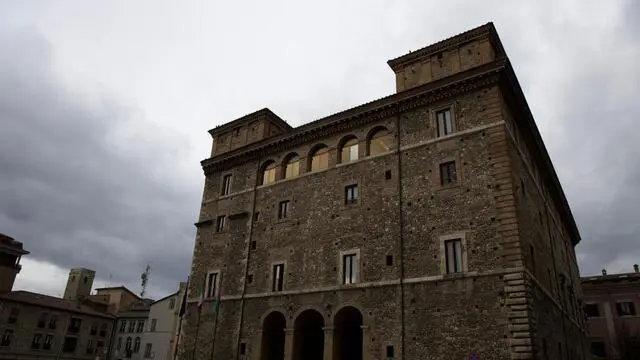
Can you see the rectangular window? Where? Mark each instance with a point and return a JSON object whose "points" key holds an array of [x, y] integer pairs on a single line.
{"points": [[448, 173], [453, 255], [278, 277], [349, 269], [172, 303], [147, 351], [90, 346], [119, 346], [53, 321], [94, 329], [70, 344], [598, 349], [140, 327], [132, 326], [390, 351], [35, 343], [220, 223], [592, 310], [445, 125], [154, 323], [212, 282], [351, 194], [243, 348], [42, 320], [626, 308], [283, 209], [13, 315], [226, 185], [389, 260], [256, 216], [6, 338], [48, 341], [123, 325], [74, 325], [532, 252]]}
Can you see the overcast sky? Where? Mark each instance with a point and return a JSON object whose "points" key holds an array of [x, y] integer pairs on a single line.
{"points": [[105, 107]]}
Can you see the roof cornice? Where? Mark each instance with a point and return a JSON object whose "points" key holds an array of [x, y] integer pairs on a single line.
{"points": [[486, 30], [370, 112]]}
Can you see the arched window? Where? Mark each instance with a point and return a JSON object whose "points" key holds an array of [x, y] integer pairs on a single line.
{"points": [[380, 141], [349, 150], [136, 345], [292, 166], [268, 173], [319, 159], [127, 345]]}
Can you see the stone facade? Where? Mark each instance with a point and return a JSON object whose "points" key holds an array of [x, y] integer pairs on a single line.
{"points": [[612, 307], [459, 242]]}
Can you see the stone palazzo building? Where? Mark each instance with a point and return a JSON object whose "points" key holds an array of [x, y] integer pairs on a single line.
{"points": [[428, 224]]}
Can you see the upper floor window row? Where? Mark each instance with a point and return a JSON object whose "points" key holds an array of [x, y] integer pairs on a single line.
{"points": [[380, 141]]}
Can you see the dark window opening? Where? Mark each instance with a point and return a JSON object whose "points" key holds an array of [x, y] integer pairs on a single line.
{"points": [[448, 173], [37, 339], [249, 278], [212, 282], [598, 348], [13, 316], [390, 351], [74, 325], [243, 348], [349, 269], [53, 321], [70, 344], [42, 320], [6, 338], [351, 194], [387, 175], [453, 256], [220, 222], [445, 124], [94, 329], [226, 185], [278, 277], [626, 308], [283, 209], [389, 260], [592, 310], [256, 216], [48, 341], [253, 245]]}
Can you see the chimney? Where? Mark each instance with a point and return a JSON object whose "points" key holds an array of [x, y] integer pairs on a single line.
{"points": [[604, 272], [635, 268]]}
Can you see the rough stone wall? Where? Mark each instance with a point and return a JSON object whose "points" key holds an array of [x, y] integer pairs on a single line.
{"points": [[444, 63], [557, 320]]}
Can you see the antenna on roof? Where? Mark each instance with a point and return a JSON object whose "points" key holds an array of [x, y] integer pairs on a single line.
{"points": [[145, 279]]}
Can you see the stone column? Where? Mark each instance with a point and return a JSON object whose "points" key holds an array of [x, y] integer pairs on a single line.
{"points": [[328, 342], [365, 342], [288, 344]]}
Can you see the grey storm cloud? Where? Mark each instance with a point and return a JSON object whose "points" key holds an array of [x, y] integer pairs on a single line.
{"points": [[72, 190]]}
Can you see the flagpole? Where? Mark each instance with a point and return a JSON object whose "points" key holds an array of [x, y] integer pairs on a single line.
{"points": [[195, 342], [215, 320]]}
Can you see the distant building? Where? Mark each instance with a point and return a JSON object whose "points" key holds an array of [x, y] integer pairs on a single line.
{"points": [[612, 307], [11, 252], [160, 336], [37, 326], [130, 327]]}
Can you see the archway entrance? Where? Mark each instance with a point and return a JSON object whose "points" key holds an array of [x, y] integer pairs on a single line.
{"points": [[272, 347], [347, 335], [308, 336]]}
